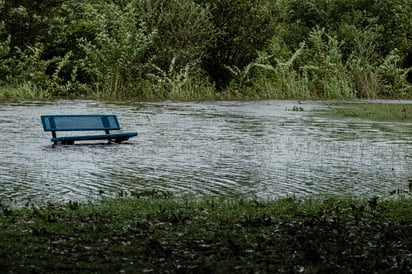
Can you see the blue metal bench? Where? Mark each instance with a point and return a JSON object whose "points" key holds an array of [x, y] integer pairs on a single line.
{"points": [[93, 122]]}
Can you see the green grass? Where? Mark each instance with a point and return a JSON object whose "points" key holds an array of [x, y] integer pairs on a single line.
{"points": [[21, 92], [386, 112], [211, 235]]}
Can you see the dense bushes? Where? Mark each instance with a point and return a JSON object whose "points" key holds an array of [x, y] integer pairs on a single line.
{"points": [[244, 27], [372, 39], [208, 49]]}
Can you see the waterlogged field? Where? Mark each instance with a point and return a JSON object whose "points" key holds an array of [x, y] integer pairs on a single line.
{"points": [[266, 149]]}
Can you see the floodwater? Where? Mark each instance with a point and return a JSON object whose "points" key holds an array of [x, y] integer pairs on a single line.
{"points": [[263, 148]]}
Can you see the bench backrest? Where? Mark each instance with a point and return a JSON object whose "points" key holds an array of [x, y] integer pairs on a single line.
{"points": [[80, 122]]}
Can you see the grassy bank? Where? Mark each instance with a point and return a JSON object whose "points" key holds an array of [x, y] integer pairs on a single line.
{"points": [[216, 235], [384, 112]]}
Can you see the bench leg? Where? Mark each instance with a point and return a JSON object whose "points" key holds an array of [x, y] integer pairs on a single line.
{"points": [[119, 140], [67, 142]]}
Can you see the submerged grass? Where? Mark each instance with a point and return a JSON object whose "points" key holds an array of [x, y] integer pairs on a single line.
{"points": [[385, 112], [214, 235]]}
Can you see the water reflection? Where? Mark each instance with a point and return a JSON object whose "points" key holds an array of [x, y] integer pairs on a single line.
{"points": [[217, 148]]}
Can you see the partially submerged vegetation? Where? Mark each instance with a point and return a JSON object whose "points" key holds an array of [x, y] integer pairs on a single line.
{"points": [[215, 235], [375, 111], [209, 49]]}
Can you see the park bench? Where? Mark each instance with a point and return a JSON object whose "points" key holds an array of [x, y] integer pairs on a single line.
{"points": [[92, 122]]}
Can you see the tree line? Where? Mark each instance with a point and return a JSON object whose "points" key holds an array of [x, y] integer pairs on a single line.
{"points": [[194, 49]]}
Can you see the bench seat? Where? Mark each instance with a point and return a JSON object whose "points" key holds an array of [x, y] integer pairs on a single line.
{"points": [[116, 137], [84, 122]]}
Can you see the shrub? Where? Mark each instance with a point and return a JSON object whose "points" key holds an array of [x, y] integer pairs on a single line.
{"points": [[244, 27], [116, 56], [28, 22], [184, 31]]}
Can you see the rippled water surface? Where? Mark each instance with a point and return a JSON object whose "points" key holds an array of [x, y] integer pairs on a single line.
{"points": [[218, 148]]}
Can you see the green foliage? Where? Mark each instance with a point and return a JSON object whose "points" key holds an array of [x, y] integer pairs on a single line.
{"points": [[116, 56], [325, 68], [29, 66], [28, 21], [393, 77], [184, 31], [22, 92], [244, 27], [277, 77], [316, 70], [208, 49], [366, 37], [31, 32], [4, 52]]}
